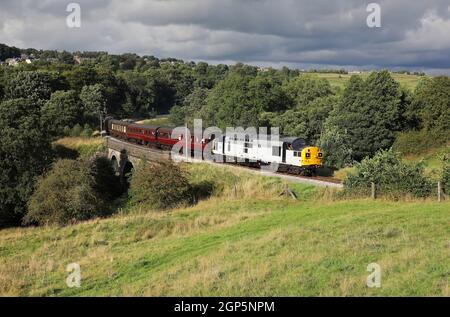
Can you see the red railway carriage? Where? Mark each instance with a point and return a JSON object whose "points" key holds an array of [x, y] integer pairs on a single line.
{"points": [[144, 134], [150, 135], [164, 138]]}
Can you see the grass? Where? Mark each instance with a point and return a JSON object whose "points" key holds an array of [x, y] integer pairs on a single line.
{"points": [[161, 120], [248, 241], [85, 147], [245, 240], [340, 80]]}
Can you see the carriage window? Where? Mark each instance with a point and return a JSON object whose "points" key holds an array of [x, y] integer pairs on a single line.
{"points": [[245, 150], [276, 150]]}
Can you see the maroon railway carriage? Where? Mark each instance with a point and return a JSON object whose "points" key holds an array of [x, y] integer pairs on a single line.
{"points": [[160, 137]]}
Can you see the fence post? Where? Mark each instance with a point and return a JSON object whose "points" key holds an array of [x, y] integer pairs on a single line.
{"points": [[439, 188], [373, 191]]}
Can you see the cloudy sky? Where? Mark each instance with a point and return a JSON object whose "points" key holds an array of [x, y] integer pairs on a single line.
{"points": [[414, 34]]}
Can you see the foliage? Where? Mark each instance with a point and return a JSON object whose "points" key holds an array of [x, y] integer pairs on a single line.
{"points": [[432, 102], [418, 142], [390, 175], [63, 109], [33, 85], [73, 190], [239, 99], [87, 131], [190, 108], [306, 88], [76, 130], [8, 52], [94, 103], [305, 122], [337, 152], [445, 179], [25, 152], [159, 185], [369, 113]]}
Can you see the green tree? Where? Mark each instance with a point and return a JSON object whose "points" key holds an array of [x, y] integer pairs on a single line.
{"points": [[390, 174], [63, 109], [65, 194], [432, 101], [33, 85], [25, 152], [305, 88], [8, 52], [80, 76], [94, 103], [190, 109], [369, 113], [160, 186], [336, 148], [240, 99]]}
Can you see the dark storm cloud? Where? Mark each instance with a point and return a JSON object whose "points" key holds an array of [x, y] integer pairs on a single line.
{"points": [[296, 32]]}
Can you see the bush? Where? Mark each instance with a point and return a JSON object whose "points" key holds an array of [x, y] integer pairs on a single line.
{"points": [[417, 142], [446, 178], [390, 175], [160, 185], [73, 190], [76, 130], [87, 131]]}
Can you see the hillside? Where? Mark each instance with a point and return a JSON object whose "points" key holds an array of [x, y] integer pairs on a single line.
{"points": [[249, 241], [340, 80]]}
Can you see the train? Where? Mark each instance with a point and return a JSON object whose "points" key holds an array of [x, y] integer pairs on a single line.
{"points": [[288, 154], [160, 137]]}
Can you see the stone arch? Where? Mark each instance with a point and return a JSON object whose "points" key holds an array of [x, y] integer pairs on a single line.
{"points": [[115, 165], [127, 171]]}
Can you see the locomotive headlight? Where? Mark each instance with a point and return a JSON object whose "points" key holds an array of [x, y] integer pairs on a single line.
{"points": [[320, 154]]}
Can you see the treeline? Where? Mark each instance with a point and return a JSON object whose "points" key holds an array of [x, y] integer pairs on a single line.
{"points": [[58, 91]]}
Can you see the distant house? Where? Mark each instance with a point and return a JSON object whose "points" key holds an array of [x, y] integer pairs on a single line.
{"points": [[264, 69], [79, 59], [355, 72], [12, 61]]}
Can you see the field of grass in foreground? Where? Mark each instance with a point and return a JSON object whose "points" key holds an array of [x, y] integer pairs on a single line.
{"points": [[232, 247]]}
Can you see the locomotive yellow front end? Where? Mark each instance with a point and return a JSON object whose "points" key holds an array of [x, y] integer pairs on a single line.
{"points": [[311, 157]]}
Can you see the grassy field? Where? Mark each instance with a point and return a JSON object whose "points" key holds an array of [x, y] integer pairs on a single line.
{"points": [[339, 80], [85, 147], [161, 120], [244, 240]]}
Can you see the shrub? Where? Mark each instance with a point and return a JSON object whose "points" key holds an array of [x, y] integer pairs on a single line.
{"points": [[87, 131], [446, 178], [73, 190], [160, 185], [76, 130], [417, 142], [390, 174]]}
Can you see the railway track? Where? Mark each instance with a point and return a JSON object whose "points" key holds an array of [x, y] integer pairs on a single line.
{"points": [[119, 145]]}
